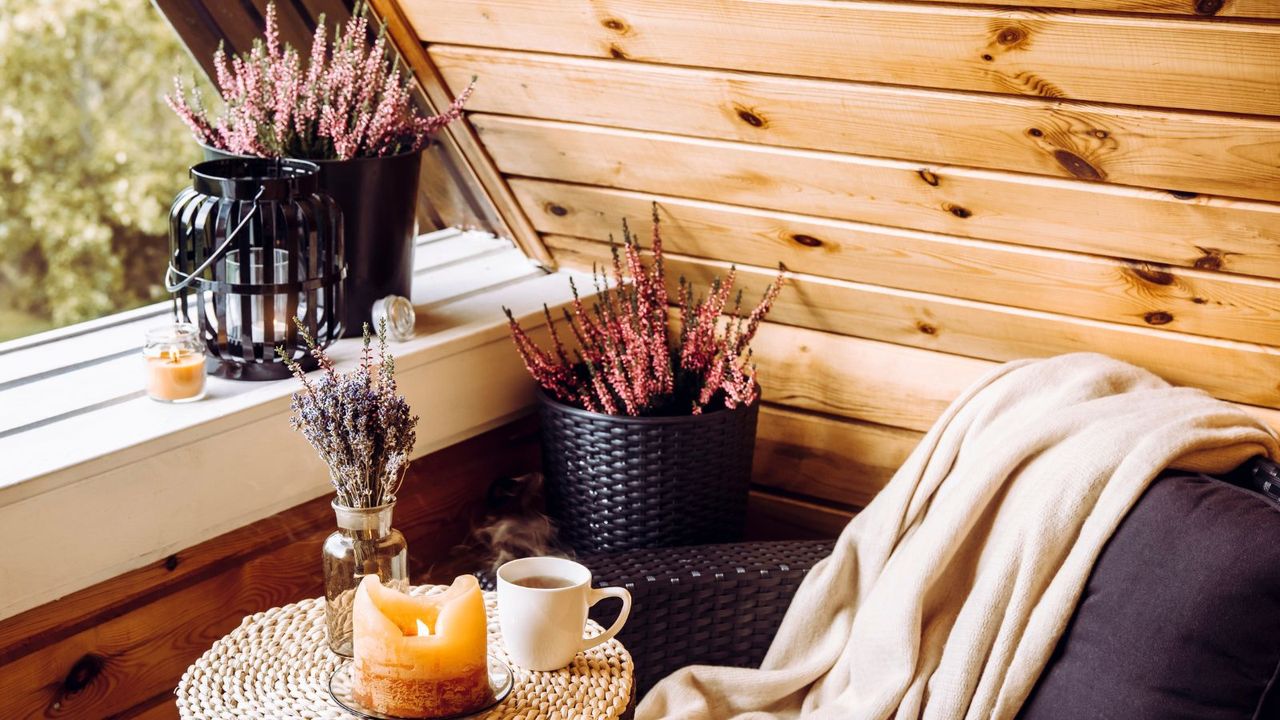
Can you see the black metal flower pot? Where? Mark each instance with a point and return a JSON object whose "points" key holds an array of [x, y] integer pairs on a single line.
{"points": [[378, 197], [622, 483]]}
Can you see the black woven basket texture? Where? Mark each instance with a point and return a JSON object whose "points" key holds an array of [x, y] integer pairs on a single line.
{"points": [[705, 605], [616, 484], [710, 605]]}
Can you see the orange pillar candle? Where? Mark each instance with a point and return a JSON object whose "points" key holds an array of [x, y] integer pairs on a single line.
{"points": [[175, 363], [420, 656]]}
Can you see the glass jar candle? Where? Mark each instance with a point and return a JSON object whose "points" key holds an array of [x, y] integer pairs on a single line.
{"points": [[255, 273], [174, 363]]}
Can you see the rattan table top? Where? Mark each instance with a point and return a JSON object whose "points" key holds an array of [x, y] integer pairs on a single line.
{"points": [[277, 665]]}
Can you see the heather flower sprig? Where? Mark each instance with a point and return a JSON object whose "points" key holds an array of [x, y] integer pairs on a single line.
{"points": [[361, 428], [623, 362], [351, 100]]}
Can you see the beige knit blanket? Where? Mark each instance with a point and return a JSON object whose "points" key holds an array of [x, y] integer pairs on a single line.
{"points": [[945, 597]]}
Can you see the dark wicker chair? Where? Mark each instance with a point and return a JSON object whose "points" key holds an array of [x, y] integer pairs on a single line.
{"points": [[701, 604], [722, 604], [706, 604]]}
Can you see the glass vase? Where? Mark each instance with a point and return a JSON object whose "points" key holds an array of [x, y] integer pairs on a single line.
{"points": [[364, 544]]}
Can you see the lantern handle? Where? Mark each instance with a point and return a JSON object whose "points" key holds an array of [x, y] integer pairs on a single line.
{"points": [[188, 278]]}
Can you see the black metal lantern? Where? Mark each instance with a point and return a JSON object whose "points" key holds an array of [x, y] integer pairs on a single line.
{"points": [[252, 245]]}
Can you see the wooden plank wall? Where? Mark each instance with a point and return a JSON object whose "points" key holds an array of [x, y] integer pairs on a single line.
{"points": [[951, 186], [118, 649]]}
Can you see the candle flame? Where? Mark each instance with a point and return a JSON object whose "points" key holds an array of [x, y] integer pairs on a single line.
{"points": [[423, 629]]}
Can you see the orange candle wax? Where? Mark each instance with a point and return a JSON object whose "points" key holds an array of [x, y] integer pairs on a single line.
{"points": [[174, 376], [420, 656]]}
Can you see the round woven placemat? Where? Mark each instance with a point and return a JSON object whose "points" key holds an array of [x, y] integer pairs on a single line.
{"points": [[277, 665]]}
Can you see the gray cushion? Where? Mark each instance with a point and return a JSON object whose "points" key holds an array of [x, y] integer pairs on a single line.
{"points": [[1181, 615]]}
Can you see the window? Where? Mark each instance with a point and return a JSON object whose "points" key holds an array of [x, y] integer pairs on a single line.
{"points": [[90, 158]]}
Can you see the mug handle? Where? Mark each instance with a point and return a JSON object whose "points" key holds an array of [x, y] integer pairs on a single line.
{"points": [[595, 596]]}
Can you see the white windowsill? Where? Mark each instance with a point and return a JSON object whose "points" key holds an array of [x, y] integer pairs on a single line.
{"points": [[96, 479]]}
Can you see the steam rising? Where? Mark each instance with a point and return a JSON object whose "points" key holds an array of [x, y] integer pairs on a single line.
{"points": [[516, 525]]}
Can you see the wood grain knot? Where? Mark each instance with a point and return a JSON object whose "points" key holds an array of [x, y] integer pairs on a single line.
{"points": [[1011, 36], [1152, 274], [750, 117], [171, 563], [1208, 7], [616, 53], [807, 240], [1101, 134], [85, 671], [958, 211], [928, 177], [1035, 132], [1077, 165], [615, 25], [926, 328], [1199, 300], [1183, 194], [557, 210], [1158, 317], [1213, 259], [987, 57]]}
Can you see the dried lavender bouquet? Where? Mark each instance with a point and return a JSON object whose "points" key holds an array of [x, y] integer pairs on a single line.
{"points": [[362, 429]]}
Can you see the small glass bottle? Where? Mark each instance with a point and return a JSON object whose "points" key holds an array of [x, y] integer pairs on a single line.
{"points": [[365, 544], [399, 314], [175, 368]]}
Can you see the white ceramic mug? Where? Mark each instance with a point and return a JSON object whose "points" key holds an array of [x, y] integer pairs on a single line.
{"points": [[542, 628]]}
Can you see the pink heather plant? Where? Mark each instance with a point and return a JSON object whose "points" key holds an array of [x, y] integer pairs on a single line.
{"points": [[351, 100], [624, 363]]}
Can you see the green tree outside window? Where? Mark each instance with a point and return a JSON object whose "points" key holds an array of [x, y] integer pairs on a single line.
{"points": [[90, 158]]}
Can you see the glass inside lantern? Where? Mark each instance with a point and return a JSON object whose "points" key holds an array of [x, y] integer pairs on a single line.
{"points": [[257, 269]]}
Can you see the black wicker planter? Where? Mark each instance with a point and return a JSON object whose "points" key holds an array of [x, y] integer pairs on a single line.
{"points": [[622, 483]]}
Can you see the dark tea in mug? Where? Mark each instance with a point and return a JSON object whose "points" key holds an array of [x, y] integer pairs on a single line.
{"points": [[542, 610], [543, 582]]}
